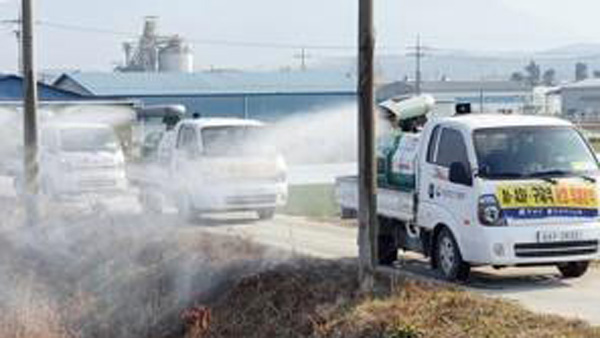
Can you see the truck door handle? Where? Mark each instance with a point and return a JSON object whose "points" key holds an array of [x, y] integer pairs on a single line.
{"points": [[431, 191]]}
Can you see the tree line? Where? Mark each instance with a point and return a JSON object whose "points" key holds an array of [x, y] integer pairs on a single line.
{"points": [[532, 74]]}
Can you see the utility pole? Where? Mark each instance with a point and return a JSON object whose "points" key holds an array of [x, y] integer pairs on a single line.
{"points": [[29, 114], [419, 52], [303, 56], [18, 36], [17, 32], [367, 185]]}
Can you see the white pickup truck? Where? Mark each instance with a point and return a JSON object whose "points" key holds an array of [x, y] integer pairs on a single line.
{"points": [[494, 190], [215, 165]]}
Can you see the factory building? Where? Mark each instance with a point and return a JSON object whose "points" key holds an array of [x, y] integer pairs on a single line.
{"points": [[264, 96], [580, 101], [11, 89], [153, 52], [483, 96]]}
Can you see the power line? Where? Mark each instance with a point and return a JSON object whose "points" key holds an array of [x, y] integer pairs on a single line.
{"points": [[197, 41], [219, 42], [86, 29]]}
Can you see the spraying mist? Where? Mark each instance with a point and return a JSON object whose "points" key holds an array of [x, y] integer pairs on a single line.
{"points": [[92, 272], [84, 271]]}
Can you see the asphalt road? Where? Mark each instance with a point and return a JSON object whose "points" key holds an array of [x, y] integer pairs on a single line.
{"points": [[538, 289]]}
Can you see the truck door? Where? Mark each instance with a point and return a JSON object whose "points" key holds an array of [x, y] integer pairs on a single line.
{"points": [[441, 198], [188, 149]]}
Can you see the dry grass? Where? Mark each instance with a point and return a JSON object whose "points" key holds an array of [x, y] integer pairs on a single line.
{"points": [[319, 299], [113, 277], [424, 311]]}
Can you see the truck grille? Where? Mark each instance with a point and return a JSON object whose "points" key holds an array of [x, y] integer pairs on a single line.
{"points": [[98, 183], [556, 249], [252, 199]]}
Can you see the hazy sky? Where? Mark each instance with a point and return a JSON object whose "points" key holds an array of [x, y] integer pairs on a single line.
{"points": [[523, 25]]}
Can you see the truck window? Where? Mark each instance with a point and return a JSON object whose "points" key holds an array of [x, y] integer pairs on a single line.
{"points": [[239, 140], [88, 140], [188, 140], [432, 144], [451, 148], [532, 151]]}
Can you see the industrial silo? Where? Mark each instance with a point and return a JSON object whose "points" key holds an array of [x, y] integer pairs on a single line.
{"points": [[176, 56]]}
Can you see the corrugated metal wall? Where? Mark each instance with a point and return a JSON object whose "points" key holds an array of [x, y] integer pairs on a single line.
{"points": [[270, 107]]}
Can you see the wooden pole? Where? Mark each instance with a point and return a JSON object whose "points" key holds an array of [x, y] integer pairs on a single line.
{"points": [[367, 215], [30, 98]]}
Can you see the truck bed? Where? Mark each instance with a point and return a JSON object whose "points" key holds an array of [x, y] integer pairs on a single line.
{"points": [[393, 203]]}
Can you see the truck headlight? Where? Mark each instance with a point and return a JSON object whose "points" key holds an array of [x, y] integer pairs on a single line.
{"points": [[489, 211]]}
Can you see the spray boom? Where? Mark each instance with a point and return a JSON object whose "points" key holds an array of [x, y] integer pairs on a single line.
{"points": [[396, 110]]}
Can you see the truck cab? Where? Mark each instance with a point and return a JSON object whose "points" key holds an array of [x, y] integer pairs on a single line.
{"points": [[81, 158], [493, 190], [222, 165]]}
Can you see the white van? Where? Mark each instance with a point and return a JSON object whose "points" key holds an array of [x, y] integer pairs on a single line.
{"points": [[81, 158]]}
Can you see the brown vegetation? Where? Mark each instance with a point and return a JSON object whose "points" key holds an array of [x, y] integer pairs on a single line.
{"points": [[106, 277], [320, 299]]}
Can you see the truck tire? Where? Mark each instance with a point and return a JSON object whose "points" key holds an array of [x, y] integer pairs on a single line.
{"points": [[387, 246], [573, 269], [347, 213], [387, 250], [265, 214], [448, 258]]}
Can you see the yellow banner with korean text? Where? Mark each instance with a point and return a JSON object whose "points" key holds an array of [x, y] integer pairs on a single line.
{"points": [[561, 195]]}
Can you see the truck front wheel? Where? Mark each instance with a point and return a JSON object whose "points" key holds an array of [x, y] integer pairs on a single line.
{"points": [[449, 261], [573, 269]]}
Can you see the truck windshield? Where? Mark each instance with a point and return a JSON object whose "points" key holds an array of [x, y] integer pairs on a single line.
{"points": [[234, 140], [523, 152], [88, 140]]}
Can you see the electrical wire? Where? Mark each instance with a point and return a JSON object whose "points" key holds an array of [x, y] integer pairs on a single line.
{"points": [[212, 42]]}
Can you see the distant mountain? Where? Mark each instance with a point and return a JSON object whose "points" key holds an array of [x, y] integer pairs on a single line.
{"points": [[574, 50], [474, 65]]}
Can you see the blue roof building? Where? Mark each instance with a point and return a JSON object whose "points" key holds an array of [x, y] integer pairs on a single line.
{"points": [[266, 96], [11, 89]]}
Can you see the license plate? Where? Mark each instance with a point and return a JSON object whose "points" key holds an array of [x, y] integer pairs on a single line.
{"points": [[559, 236]]}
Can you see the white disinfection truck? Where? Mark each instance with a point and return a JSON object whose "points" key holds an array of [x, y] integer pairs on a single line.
{"points": [[496, 190], [215, 165]]}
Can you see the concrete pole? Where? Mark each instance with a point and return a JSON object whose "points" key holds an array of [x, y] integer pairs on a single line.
{"points": [[30, 98], [418, 73], [367, 208]]}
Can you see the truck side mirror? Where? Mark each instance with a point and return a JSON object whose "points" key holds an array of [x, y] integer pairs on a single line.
{"points": [[460, 174]]}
